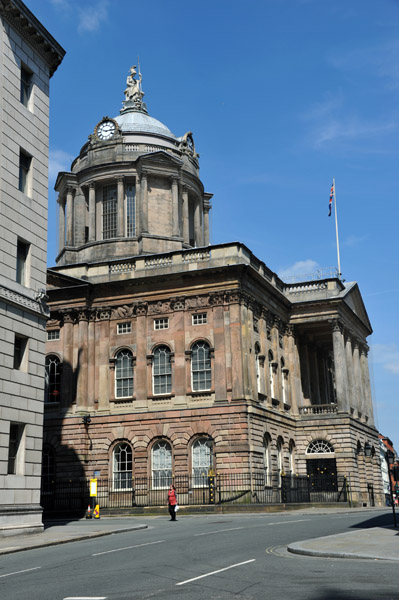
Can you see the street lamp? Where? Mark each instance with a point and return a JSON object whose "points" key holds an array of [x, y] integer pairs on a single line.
{"points": [[368, 450], [390, 458]]}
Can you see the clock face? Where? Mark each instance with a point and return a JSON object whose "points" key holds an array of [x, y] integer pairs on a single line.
{"points": [[106, 130]]}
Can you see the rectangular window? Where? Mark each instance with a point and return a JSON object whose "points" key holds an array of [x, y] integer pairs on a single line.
{"points": [[130, 210], [53, 334], [161, 323], [20, 352], [123, 328], [24, 172], [22, 262], [200, 319], [110, 212], [15, 450], [26, 86]]}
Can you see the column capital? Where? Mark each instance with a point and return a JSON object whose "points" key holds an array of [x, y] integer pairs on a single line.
{"points": [[70, 189], [92, 185], [120, 178], [337, 325], [174, 179]]}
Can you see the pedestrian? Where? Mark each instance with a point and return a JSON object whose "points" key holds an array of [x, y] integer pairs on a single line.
{"points": [[172, 502]]}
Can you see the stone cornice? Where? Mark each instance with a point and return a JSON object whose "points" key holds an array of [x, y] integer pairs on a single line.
{"points": [[24, 302], [32, 31]]}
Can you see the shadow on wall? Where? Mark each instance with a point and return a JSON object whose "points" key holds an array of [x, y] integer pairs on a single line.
{"points": [[64, 491]]}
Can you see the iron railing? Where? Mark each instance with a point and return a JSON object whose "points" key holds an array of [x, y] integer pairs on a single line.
{"points": [[232, 488]]}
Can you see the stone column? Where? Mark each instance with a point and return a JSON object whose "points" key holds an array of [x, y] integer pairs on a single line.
{"points": [[368, 400], [207, 208], [144, 203], [92, 212], [81, 396], [197, 223], [141, 358], [175, 206], [67, 359], [61, 223], [69, 216], [341, 377], [359, 401], [186, 230], [91, 360], [121, 207], [349, 368], [102, 359], [138, 206]]}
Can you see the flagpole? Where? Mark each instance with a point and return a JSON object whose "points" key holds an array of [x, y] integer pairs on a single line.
{"points": [[336, 230]]}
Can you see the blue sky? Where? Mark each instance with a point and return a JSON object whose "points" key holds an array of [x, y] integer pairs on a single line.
{"points": [[281, 96]]}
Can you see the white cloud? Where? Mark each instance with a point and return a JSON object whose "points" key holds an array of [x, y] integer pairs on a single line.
{"points": [[92, 16], [386, 355], [302, 269], [58, 161]]}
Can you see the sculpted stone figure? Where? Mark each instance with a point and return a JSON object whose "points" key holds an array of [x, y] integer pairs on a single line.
{"points": [[133, 89]]}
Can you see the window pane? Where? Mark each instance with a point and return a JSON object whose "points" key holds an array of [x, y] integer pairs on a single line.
{"points": [[53, 379], [124, 374], [201, 367], [162, 371], [131, 210], [110, 209], [162, 465]]}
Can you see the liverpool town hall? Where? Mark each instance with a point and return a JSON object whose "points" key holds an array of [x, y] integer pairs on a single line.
{"points": [[172, 359]]}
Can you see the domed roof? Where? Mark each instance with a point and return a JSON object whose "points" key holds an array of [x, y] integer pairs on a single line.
{"points": [[135, 121]]}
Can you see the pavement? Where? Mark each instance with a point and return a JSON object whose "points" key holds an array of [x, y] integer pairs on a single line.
{"points": [[376, 543]]}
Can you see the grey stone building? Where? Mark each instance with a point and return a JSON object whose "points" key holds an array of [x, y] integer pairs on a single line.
{"points": [[168, 355], [29, 55]]}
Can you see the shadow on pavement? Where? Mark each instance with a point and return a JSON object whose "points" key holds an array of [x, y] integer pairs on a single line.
{"points": [[384, 520], [334, 594]]}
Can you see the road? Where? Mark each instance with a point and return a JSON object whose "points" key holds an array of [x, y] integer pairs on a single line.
{"points": [[218, 557]]}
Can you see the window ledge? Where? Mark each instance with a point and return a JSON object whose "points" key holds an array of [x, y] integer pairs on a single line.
{"points": [[123, 399], [201, 392], [275, 402], [160, 396]]}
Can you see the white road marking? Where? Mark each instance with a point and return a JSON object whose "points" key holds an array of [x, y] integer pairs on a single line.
{"points": [[218, 531], [18, 572], [128, 548], [218, 571], [288, 522], [86, 598]]}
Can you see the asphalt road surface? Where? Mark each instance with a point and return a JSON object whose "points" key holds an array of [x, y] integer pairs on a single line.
{"points": [[203, 557]]}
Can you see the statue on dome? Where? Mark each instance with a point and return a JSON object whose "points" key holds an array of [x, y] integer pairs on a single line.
{"points": [[133, 90]]}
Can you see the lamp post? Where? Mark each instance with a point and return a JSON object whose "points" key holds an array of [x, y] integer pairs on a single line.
{"points": [[390, 458]]}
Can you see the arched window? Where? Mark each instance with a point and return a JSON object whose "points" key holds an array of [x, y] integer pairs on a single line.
{"points": [[162, 371], [124, 374], [266, 459], [122, 467], [271, 373], [201, 373], [202, 460], [48, 470], [161, 465], [319, 447], [52, 379]]}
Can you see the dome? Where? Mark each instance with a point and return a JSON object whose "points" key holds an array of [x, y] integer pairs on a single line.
{"points": [[139, 122]]}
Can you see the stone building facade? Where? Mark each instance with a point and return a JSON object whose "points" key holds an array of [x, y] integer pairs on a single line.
{"points": [[167, 355], [28, 58]]}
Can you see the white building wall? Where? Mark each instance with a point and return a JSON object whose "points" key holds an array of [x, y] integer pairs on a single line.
{"points": [[22, 216]]}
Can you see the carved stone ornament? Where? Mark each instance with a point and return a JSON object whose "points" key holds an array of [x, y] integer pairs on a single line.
{"points": [[337, 325], [198, 302], [157, 308], [141, 309], [83, 315], [233, 297], [68, 315], [217, 298], [104, 313], [123, 312], [178, 303]]}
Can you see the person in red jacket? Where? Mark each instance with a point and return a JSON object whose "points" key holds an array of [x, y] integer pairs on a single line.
{"points": [[172, 501]]}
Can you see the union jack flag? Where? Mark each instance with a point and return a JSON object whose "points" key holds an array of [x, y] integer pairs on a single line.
{"points": [[331, 199]]}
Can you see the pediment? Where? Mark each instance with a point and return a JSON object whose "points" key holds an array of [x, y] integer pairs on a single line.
{"points": [[353, 298], [160, 158]]}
